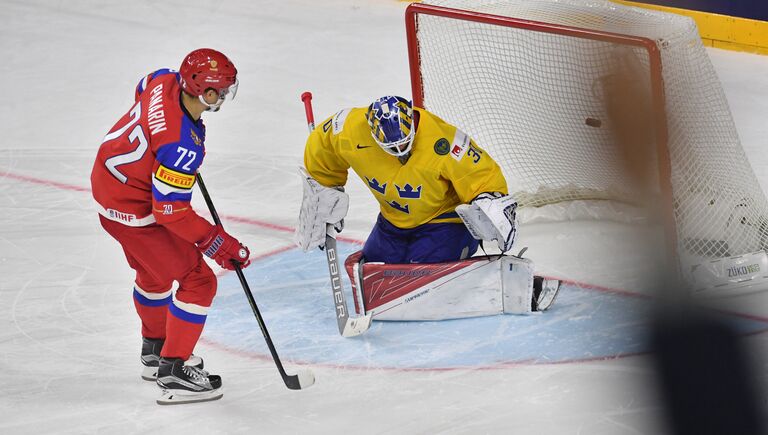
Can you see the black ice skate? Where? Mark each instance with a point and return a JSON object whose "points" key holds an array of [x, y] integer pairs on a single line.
{"points": [[544, 293], [150, 358], [185, 383]]}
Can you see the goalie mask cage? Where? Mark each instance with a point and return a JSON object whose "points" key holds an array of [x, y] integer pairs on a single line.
{"points": [[526, 79]]}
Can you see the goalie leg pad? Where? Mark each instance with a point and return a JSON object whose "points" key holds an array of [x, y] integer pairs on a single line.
{"points": [[320, 206], [517, 284], [478, 286], [435, 291]]}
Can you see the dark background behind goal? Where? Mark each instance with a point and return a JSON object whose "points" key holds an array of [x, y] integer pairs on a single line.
{"points": [[752, 9]]}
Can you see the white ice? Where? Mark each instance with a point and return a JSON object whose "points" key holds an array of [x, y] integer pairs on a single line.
{"points": [[69, 335]]}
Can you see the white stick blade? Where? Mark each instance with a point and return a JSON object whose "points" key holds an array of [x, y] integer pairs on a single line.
{"points": [[356, 325], [306, 378]]}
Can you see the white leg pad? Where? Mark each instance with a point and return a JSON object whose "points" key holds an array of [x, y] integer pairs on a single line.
{"points": [[478, 286], [517, 284]]}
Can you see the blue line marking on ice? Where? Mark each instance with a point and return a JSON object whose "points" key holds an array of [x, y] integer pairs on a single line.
{"points": [[293, 293]]}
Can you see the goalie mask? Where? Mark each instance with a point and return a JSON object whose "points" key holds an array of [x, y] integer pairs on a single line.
{"points": [[205, 69], [391, 122]]}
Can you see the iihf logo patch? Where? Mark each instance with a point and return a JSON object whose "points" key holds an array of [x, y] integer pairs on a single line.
{"points": [[408, 192], [374, 184]]}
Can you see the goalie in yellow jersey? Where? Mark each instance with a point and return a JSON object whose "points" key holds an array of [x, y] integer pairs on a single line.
{"points": [[439, 194]]}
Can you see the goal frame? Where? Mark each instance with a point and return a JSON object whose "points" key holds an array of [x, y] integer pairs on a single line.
{"points": [[656, 79]]}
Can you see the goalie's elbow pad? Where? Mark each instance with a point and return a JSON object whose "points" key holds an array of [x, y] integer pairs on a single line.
{"points": [[491, 216], [320, 206]]}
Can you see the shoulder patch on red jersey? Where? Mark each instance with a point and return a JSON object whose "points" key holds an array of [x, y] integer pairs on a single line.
{"points": [[175, 179]]}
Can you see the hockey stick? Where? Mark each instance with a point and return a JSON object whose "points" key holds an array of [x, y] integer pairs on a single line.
{"points": [[303, 378], [348, 326]]}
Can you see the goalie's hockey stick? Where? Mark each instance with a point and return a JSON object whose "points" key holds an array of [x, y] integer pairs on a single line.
{"points": [[304, 378], [348, 326]]}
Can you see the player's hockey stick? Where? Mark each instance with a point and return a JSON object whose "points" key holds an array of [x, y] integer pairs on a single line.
{"points": [[303, 378], [348, 326]]}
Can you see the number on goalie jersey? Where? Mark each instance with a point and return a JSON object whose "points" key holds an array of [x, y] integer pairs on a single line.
{"points": [[417, 166]]}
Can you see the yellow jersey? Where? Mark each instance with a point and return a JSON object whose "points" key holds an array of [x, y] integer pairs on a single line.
{"points": [[446, 167]]}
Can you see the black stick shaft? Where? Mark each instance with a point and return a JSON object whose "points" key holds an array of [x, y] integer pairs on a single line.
{"points": [[291, 382]]}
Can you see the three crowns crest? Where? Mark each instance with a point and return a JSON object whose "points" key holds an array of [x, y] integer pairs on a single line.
{"points": [[408, 191]]}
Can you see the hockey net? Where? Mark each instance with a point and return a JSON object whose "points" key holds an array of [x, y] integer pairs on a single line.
{"points": [[531, 82]]}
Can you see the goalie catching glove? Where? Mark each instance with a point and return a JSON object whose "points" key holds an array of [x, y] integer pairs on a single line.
{"points": [[491, 216], [320, 206]]}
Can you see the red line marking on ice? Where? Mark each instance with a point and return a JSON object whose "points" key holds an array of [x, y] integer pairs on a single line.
{"points": [[632, 294], [281, 228], [249, 221], [746, 316], [44, 182], [261, 256], [600, 288]]}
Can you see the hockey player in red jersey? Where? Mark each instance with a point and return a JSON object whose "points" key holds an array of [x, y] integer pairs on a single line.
{"points": [[142, 182]]}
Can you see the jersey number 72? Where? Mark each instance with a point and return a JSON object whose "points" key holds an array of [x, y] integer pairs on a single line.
{"points": [[136, 135]]}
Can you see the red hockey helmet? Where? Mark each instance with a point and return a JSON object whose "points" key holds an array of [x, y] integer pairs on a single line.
{"points": [[205, 69]]}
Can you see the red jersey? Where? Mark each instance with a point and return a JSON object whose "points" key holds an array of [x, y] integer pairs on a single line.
{"points": [[145, 168]]}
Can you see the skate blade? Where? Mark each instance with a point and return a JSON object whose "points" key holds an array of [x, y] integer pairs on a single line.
{"points": [[179, 397], [549, 292], [149, 374]]}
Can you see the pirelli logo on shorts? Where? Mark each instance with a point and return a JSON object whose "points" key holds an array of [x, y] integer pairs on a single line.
{"points": [[175, 179]]}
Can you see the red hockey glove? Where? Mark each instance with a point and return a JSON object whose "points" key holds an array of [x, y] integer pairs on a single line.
{"points": [[224, 249]]}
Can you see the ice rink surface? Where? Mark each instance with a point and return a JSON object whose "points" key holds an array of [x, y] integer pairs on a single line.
{"points": [[69, 335]]}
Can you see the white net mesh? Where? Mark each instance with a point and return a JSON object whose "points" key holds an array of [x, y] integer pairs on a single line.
{"points": [[526, 95]]}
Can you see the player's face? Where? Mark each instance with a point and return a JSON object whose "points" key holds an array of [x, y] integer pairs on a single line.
{"points": [[211, 96], [215, 98], [405, 144]]}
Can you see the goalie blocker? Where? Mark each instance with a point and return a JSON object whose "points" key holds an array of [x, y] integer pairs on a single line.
{"points": [[477, 286]]}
